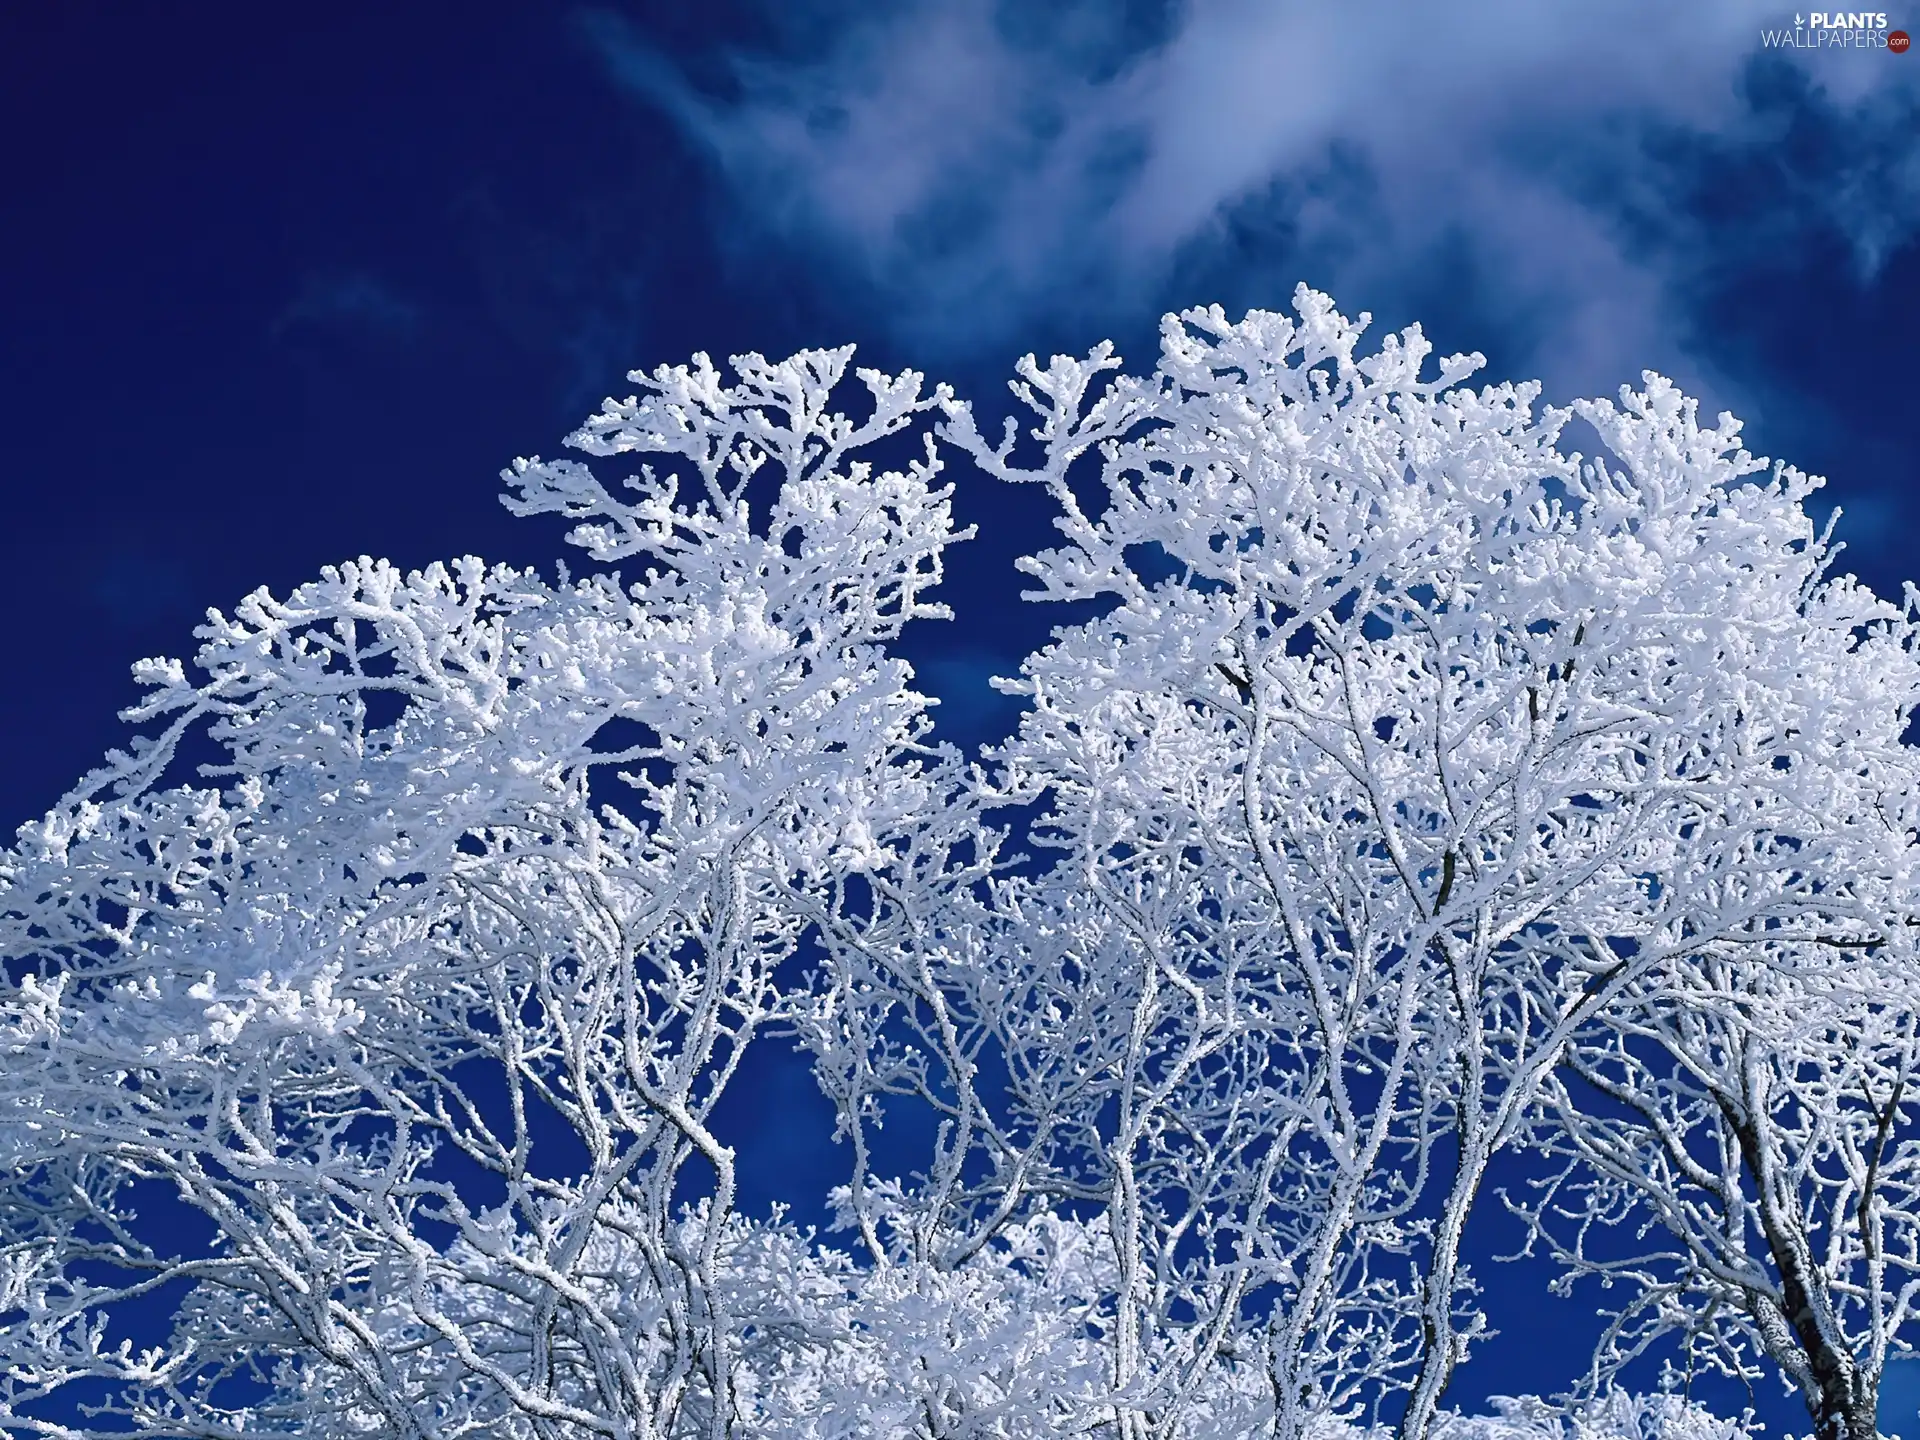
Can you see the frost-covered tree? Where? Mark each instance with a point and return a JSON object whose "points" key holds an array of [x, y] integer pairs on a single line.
{"points": [[418, 1028], [1408, 762], [1762, 1128], [1426, 744], [1753, 1106]]}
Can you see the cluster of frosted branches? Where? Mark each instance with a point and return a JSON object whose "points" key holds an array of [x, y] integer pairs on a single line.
{"points": [[1421, 791]]}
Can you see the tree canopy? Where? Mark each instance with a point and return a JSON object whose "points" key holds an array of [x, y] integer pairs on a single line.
{"points": [[1419, 791]]}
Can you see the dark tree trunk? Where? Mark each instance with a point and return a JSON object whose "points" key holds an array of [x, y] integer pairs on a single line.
{"points": [[1841, 1395]]}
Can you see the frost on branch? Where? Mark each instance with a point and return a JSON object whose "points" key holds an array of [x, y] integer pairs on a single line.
{"points": [[388, 989], [1409, 748], [1416, 781], [871, 543]]}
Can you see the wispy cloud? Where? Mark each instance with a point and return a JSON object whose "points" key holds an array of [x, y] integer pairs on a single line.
{"points": [[349, 303], [976, 170]]}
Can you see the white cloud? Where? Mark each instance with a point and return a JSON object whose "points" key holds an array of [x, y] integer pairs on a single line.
{"points": [[971, 174]]}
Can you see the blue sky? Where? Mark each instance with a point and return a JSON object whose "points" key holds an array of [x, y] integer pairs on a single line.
{"points": [[279, 288]]}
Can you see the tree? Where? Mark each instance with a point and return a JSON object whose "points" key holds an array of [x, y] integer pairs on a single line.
{"points": [[1764, 1125], [1409, 758], [418, 1028], [1754, 1104], [1447, 738]]}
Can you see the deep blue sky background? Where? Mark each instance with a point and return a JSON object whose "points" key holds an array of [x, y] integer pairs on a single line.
{"points": [[280, 287]]}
